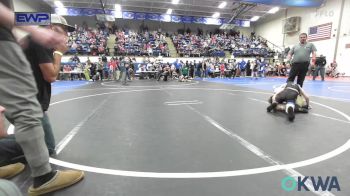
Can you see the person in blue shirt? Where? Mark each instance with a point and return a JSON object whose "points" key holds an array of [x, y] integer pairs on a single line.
{"points": [[242, 67], [177, 66]]}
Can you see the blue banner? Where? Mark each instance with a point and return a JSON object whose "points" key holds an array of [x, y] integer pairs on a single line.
{"points": [[165, 18], [128, 15], [296, 3], [74, 12], [224, 20], [140, 16], [176, 19], [199, 20], [186, 19], [149, 16], [244, 23], [212, 21]]}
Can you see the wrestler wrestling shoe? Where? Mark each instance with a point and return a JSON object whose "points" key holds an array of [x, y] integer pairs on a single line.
{"points": [[290, 113], [271, 107], [301, 109]]}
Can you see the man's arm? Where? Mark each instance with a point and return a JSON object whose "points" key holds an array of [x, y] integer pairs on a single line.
{"points": [[313, 58], [3, 132], [290, 54], [303, 93], [7, 17], [51, 70]]}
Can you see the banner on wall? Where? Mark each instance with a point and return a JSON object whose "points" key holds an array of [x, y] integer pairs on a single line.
{"points": [[149, 16], [176, 19], [294, 3], [186, 19], [140, 16], [165, 18], [128, 15], [212, 21]]}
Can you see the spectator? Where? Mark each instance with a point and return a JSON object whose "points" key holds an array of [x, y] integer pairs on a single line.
{"points": [[22, 106]]}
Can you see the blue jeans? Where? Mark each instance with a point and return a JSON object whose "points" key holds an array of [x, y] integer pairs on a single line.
{"points": [[11, 151], [49, 137], [321, 70]]}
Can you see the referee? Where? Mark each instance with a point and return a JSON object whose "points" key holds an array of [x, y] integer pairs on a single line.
{"points": [[301, 59]]}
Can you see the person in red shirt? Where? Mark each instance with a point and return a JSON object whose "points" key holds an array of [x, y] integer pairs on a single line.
{"points": [[222, 70], [112, 68]]}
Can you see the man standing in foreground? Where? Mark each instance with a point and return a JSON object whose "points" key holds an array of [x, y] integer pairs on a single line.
{"points": [[46, 65], [18, 95], [299, 56]]}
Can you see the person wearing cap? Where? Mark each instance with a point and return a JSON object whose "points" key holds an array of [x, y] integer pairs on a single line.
{"points": [[46, 64], [285, 97], [18, 93]]}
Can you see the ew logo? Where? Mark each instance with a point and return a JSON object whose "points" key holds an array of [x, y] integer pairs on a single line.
{"points": [[304, 182], [32, 18]]}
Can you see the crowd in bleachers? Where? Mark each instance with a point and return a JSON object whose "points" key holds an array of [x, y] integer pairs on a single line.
{"points": [[88, 41], [153, 43], [151, 67], [193, 45], [141, 44], [93, 41]]}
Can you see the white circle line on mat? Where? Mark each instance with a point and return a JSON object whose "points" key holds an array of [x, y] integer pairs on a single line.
{"points": [[344, 147]]}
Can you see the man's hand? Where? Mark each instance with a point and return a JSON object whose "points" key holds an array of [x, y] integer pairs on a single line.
{"points": [[2, 109], [62, 47], [288, 62], [45, 37], [313, 62]]}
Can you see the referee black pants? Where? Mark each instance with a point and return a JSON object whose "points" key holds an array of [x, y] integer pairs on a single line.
{"points": [[298, 70]]}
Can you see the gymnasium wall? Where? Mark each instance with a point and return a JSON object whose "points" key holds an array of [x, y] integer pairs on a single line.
{"points": [[271, 29], [30, 6], [329, 12], [343, 54]]}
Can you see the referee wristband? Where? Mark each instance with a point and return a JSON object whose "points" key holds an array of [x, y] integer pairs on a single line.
{"points": [[58, 52]]}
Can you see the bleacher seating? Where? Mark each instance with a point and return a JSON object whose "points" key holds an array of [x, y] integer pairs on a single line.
{"points": [[140, 44], [215, 44], [88, 41]]}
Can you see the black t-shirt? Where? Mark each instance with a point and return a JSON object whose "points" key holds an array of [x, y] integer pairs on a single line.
{"points": [[104, 59], [5, 33], [36, 55], [293, 86], [321, 61]]}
